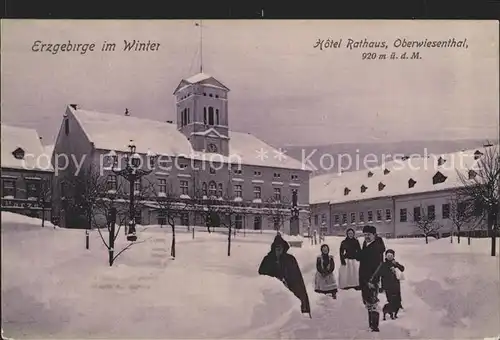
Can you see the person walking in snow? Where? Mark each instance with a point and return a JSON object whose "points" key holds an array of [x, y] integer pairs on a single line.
{"points": [[283, 266], [324, 281], [370, 258], [349, 269], [389, 272]]}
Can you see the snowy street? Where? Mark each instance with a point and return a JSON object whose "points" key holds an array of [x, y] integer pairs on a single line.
{"points": [[53, 287]]}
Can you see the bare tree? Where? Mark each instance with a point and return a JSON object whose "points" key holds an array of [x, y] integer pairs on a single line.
{"points": [[86, 188], [170, 208], [426, 223], [100, 202], [481, 186], [278, 212], [111, 209]]}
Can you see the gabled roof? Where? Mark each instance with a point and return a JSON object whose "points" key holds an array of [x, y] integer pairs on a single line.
{"points": [[330, 187], [114, 132], [200, 78], [27, 140]]}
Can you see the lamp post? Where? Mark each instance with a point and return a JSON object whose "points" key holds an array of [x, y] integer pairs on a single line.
{"points": [[131, 173]]}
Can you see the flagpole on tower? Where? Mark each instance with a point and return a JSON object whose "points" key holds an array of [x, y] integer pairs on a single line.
{"points": [[201, 46]]}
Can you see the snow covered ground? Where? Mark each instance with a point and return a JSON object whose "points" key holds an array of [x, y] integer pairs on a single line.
{"points": [[52, 287]]}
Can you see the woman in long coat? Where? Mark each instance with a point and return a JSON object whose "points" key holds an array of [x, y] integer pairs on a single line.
{"points": [[349, 269], [324, 281], [283, 266]]}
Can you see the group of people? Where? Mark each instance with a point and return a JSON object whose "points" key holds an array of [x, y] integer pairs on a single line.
{"points": [[370, 268]]}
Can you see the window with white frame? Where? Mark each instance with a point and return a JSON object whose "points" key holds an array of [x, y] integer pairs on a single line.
{"points": [[184, 187], [294, 177], [388, 214], [403, 215], [238, 221], [204, 189], [323, 219], [184, 218], [257, 173], [277, 194], [162, 184], [212, 189], [238, 190], [32, 188], [344, 218], [353, 218], [277, 175], [379, 215], [220, 190], [370, 216], [361, 217], [257, 192], [237, 171], [111, 182], [336, 219]]}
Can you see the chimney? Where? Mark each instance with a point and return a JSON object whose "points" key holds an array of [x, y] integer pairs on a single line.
{"points": [[74, 106], [126, 112]]}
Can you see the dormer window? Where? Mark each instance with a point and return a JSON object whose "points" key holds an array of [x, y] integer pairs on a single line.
{"points": [[18, 153], [211, 95], [346, 191], [370, 174], [277, 175], [477, 154], [386, 171], [441, 161], [472, 174], [411, 183], [363, 188], [381, 186], [438, 178]]}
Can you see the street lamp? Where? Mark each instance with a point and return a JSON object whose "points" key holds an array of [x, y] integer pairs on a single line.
{"points": [[131, 173]]}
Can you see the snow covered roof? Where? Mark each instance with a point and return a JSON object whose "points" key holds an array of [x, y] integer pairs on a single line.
{"points": [[114, 132], [392, 178], [198, 78], [26, 144], [49, 149]]}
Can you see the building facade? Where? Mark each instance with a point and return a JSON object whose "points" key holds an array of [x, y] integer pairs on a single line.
{"points": [[27, 173], [394, 196], [198, 160]]}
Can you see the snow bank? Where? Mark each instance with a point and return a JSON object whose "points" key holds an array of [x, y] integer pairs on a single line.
{"points": [[52, 287], [22, 220]]}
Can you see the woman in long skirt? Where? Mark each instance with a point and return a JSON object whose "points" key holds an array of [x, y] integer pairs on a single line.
{"points": [[324, 281], [349, 269]]}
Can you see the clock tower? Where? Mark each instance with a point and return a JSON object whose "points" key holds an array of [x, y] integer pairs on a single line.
{"points": [[202, 113]]}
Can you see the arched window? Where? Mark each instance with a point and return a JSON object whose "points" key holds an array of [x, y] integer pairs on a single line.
{"points": [[212, 189], [205, 115], [210, 116], [217, 116], [204, 189]]}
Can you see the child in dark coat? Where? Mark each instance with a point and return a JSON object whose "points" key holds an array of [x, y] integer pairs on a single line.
{"points": [[390, 283]]}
